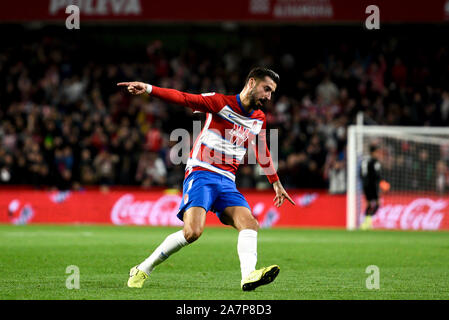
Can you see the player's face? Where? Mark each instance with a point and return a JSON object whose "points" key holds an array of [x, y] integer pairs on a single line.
{"points": [[377, 154], [261, 92]]}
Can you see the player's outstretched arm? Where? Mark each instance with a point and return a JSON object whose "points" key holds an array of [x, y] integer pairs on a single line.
{"points": [[197, 102], [281, 194]]}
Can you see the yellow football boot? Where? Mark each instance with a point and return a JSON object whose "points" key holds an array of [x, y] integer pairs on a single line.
{"points": [[260, 277], [367, 224], [136, 278]]}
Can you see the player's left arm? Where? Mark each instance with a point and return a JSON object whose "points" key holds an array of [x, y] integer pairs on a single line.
{"points": [[266, 163], [281, 194]]}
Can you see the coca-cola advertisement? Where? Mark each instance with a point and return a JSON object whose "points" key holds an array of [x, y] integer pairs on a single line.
{"points": [[160, 212], [159, 208], [412, 212]]}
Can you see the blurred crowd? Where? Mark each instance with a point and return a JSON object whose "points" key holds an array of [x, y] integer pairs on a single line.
{"points": [[424, 164], [65, 124]]}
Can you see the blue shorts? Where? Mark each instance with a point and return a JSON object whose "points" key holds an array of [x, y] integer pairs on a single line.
{"points": [[212, 191]]}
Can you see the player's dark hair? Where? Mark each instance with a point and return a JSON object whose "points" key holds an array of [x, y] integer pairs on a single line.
{"points": [[260, 74], [373, 148]]}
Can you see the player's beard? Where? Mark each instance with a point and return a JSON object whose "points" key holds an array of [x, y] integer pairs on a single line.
{"points": [[253, 101]]}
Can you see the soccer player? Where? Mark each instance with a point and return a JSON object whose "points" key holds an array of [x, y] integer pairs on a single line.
{"points": [[370, 173], [232, 124]]}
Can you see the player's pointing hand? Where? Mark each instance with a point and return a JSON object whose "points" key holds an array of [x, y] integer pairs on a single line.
{"points": [[281, 194], [134, 87]]}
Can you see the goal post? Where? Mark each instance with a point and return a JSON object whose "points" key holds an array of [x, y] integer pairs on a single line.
{"points": [[415, 162]]}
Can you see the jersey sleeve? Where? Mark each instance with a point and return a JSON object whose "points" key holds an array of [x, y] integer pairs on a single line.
{"points": [[377, 170], [206, 102], [263, 155]]}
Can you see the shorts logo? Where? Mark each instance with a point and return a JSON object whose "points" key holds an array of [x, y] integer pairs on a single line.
{"points": [[186, 198]]}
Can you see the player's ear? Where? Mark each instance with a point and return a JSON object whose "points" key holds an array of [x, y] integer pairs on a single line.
{"points": [[252, 83]]}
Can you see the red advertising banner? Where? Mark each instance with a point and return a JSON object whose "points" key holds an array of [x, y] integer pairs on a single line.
{"points": [[159, 208], [235, 10], [412, 212]]}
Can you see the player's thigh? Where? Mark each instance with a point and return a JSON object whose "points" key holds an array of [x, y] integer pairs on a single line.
{"points": [[239, 217], [194, 221], [371, 194]]}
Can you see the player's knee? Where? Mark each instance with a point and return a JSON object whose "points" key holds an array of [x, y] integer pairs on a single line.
{"points": [[192, 234], [255, 225], [250, 223]]}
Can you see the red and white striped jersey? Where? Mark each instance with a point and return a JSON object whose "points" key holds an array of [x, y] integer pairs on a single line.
{"points": [[226, 134]]}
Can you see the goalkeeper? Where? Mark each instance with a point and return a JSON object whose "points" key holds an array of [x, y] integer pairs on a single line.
{"points": [[370, 174]]}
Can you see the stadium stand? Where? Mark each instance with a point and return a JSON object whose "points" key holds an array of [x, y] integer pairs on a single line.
{"points": [[66, 125]]}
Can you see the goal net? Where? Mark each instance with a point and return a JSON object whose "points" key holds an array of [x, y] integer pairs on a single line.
{"points": [[415, 163]]}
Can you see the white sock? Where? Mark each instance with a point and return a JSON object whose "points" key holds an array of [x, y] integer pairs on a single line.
{"points": [[247, 250], [170, 245]]}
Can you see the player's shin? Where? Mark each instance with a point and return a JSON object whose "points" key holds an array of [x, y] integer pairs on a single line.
{"points": [[247, 251], [170, 245]]}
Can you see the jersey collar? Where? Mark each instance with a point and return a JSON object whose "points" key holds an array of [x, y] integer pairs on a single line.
{"points": [[241, 107]]}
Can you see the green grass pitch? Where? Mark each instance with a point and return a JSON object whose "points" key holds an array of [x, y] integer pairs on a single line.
{"points": [[315, 264]]}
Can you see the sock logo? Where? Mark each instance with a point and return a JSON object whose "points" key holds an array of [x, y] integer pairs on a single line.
{"points": [[163, 256]]}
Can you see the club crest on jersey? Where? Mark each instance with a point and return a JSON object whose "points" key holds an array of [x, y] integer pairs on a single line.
{"points": [[256, 126], [239, 134]]}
